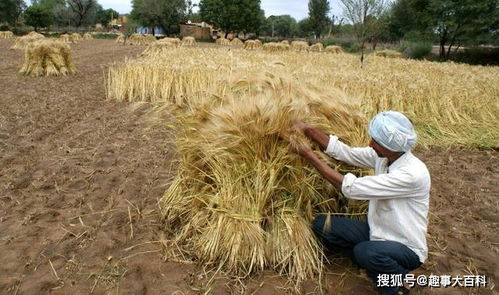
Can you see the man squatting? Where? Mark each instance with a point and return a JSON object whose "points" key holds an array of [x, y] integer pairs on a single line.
{"points": [[393, 240]]}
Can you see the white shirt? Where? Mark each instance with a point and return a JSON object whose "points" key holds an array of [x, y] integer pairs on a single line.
{"points": [[398, 194]]}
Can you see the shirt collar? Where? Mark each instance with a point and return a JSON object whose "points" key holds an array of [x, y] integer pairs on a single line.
{"points": [[399, 161]]}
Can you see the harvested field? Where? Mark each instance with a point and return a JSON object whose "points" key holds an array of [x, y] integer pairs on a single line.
{"points": [[80, 177]]}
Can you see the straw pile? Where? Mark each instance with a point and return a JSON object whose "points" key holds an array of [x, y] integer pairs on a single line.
{"points": [[141, 40], [24, 41], [253, 44], [388, 53], [76, 37], [334, 49], [236, 42], [88, 36], [275, 47], [159, 47], [188, 41], [120, 39], [47, 58], [6, 35], [299, 46], [68, 39], [317, 47], [222, 41], [285, 42]]}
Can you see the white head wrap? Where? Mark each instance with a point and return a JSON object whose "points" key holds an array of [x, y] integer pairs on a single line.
{"points": [[393, 131]]}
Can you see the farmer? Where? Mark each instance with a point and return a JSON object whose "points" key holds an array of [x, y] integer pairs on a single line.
{"points": [[393, 240]]}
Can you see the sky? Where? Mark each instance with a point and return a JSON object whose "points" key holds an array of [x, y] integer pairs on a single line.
{"points": [[296, 8]]}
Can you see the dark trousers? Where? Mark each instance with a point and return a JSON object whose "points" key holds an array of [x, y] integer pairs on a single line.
{"points": [[377, 257]]}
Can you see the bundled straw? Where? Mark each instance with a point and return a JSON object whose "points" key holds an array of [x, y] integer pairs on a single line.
{"points": [[275, 47], [299, 46], [188, 41], [87, 36], [159, 47], [6, 35], [68, 39], [236, 42], [253, 44], [120, 39], [222, 41], [317, 47], [23, 42], [334, 49], [388, 53], [138, 39], [47, 58], [76, 37]]}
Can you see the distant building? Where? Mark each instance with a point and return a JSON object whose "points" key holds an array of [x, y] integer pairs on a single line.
{"points": [[119, 22]]}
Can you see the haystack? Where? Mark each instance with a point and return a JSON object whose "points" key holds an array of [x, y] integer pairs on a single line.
{"points": [[389, 53], [23, 42], [174, 41], [141, 40], [66, 38], [236, 42], [222, 41], [159, 47], [76, 37], [6, 35], [120, 39], [317, 47], [285, 42], [253, 44], [188, 41], [334, 49], [88, 36], [299, 46], [47, 58], [275, 47]]}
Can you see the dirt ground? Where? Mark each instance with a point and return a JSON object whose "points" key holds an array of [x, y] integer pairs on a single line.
{"points": [[80, 178]]}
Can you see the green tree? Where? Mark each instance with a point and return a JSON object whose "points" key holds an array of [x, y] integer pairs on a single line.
{"points": [[233, 16], [304, 29], [317, 14], [11, 10], [364, 15], [83, 11], [281, 25], [37, 17], [166, 14], [104, 16]]}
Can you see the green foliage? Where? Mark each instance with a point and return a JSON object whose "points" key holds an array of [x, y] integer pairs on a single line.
{"points": [[104, 16], [416, 49], [38, 17], [317, 14], [304, 28], [232, 16], [10, 10], [280, 25], [330, 41], [83, 12], [166, 14], [105, 36]]}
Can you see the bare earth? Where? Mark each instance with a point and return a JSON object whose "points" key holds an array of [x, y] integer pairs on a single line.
{"points": [[80, 178]]}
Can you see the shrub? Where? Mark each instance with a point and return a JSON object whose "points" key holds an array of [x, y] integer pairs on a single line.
{"points": [[416, 49]]}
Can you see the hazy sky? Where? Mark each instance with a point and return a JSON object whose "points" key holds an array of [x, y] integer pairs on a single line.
{"points": [[296, 8]]}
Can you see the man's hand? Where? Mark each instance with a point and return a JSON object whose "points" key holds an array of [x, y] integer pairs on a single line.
{"points": [[304, 150], [299, 126]]}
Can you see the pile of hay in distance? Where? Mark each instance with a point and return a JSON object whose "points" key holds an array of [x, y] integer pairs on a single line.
{"points": [[76, 37], [24, 41], [47, 58], [141, 40], [275, 47], [388, 53], [120, 39], [300, 46], [236, 42], [88, 36], [317, 47], [334, 49], [158, 47], [222, 41], [6, 35], [69, 39], [188, 41]]}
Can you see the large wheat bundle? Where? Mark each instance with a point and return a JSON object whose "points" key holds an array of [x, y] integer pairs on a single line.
{"points": [[222, 41], [317, 47], [334, 49], [76, 37], [6, 35], [120, 39], [275, 47], [88, 36], [236, 42], [159, 47], [141, 40], [69, 39], [47, 58], [24, 41], [188, 41], [300, 46]]}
